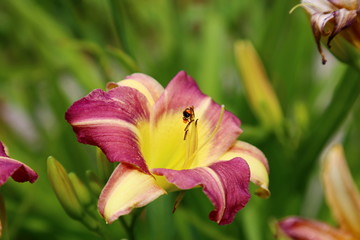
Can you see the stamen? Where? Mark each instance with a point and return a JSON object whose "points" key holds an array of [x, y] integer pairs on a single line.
{"points": [[188, 117], [186, 129], [192, 141], [216, 127], [178, 199]]}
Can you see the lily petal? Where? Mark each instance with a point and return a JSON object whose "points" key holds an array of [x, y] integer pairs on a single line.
{"points": [[19, 171], [348, 4], [183, 92], [341, 192], [225, 183], [302, 229], [343, 18], [126, 189], [259, 168], [145, 84], [110, 121]]}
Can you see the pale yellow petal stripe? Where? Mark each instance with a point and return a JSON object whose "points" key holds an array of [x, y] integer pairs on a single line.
{"points": [[257, 163], [140, 87], [155, 88], [143, 83], [126, 189], [108, 122], [217, 181], [341, 192]]}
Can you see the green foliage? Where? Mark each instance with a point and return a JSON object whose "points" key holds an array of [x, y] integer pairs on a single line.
{"points": [[54, 52]]}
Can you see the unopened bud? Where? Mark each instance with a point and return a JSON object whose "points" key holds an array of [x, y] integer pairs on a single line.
{"points": [[90, 222], [345, 52], [105, 167], [94, 182], [259, 92], [64, 189], [81, 190]]}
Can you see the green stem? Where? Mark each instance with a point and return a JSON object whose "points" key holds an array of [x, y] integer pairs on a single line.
{"points": [[103, 234], [135, 217], [3, 222], [345, 95], [128, 228]]}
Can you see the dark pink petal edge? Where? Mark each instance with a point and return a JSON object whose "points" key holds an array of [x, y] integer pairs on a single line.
{"points": [[2, 150], [225, 183], [109, 120], [18, 171]]}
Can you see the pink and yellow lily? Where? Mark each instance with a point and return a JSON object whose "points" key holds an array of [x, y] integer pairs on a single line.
{"points": [[343, 198], [167, 140]]}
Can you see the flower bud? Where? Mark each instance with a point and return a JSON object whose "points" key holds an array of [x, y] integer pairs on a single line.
{"points": [[90, 222], [94, 182], [81, 190], [259, 92], [2, 215], [346, 52], [64, 189], [105, 167]]}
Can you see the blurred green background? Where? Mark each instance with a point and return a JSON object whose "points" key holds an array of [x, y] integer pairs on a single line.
{"points": [[55, 52]]}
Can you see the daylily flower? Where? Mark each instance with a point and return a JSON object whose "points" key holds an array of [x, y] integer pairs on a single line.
{"points": [[167, 140], [332, 17], [343, 198], [19, 171]]}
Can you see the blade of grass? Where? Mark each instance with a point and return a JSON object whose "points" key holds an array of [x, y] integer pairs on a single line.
{"points": [[344, 97]]}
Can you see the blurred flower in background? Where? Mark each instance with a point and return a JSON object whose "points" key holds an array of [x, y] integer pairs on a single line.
{"points": [[343, 198], [330, 18], [18, 171], [167, 140]]}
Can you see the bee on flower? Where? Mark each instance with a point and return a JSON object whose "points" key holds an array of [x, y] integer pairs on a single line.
{"points": [[141, 125]]}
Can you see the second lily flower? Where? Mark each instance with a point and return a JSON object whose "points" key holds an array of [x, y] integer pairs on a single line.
{"points": [[168, 139], [330, 18]]}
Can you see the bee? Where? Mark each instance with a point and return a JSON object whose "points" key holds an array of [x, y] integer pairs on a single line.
{"points": [[188, 117]]}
